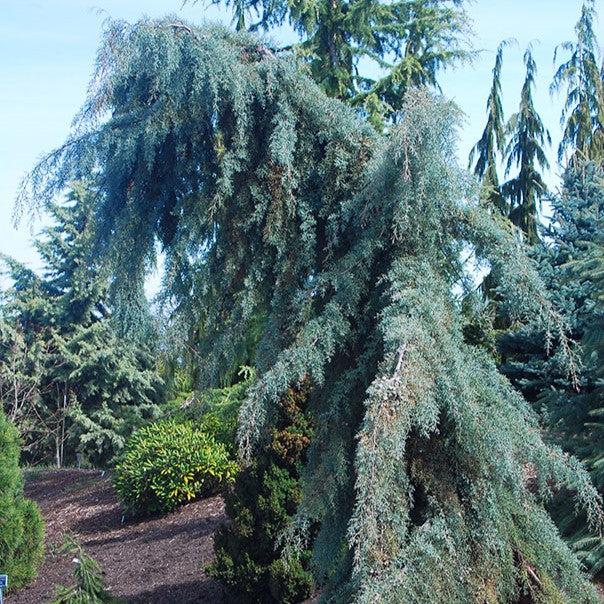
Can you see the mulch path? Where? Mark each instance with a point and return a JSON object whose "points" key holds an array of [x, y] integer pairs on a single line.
{"points": [[145, 562]]}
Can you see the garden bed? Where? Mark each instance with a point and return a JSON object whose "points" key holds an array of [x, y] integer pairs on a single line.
{"points": [[153, 560]]}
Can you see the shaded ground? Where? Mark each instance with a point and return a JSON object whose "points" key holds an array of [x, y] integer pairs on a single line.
{"points": [[145, 562]]}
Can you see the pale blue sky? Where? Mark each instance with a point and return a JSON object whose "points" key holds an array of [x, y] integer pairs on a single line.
{"points": [[47, 49]]}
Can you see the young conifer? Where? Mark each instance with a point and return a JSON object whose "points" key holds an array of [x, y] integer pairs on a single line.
{"points": [[250, 561], [21, 527]]}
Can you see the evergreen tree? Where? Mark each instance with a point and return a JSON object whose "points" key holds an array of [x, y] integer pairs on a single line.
{"points": [[249, 560], [88, 588], [581, 77], [92, 388], [270, 197], [571, 264], [589, 437], [525, 151], [346, 42], [491, 145], [21, 528], [27, 356], [20, 369]]}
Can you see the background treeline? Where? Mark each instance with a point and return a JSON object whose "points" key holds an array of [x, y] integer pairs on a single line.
{"points": [[305, 301], [68, 378]]}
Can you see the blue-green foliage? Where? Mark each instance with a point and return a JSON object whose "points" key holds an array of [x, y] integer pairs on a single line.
{"points": [[348, 42], [572, 265], [272, 200]]}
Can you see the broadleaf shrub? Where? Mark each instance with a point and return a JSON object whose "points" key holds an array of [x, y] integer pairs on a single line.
{"points": [[21, 527], [169, 463]]}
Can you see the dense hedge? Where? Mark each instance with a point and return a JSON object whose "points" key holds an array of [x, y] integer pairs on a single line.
{"points": [[21, 527], [266, 494], [169, 463]]}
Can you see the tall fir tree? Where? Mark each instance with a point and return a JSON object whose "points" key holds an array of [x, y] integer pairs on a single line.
{"points": [[488, 151], [525, 151], [581, 78], [268, 196], [347, 42], [92, 386]]}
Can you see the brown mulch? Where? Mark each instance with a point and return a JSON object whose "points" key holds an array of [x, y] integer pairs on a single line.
{"points": [[146, 561]]}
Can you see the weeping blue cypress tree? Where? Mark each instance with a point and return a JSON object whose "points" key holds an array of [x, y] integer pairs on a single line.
{"points": [[270, 199]]}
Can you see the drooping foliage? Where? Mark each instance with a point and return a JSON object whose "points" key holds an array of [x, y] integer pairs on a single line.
{"points": [[581, 77], [88, 587], [571, 265], [68, 379], [21, 527], [367, 53], [270, 199], [487, 152], [250, 560], [525, 151]]}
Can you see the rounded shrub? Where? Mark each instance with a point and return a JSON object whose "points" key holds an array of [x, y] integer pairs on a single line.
{"points": [[21, 527], [169, 463]]}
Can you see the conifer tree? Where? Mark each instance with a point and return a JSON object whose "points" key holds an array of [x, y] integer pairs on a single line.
{"points": [[407, 43], [270, 197], [571, 265], [92, 388], [28, 342], [21, 528], [491, 146], [88, 587], [260, 506], [527, 136], [581, 78]]}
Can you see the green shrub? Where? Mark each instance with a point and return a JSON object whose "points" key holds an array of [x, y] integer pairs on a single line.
{"points": [[289, 579], [169, 463], [21, 527], [215, 411], [266, 494]]}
